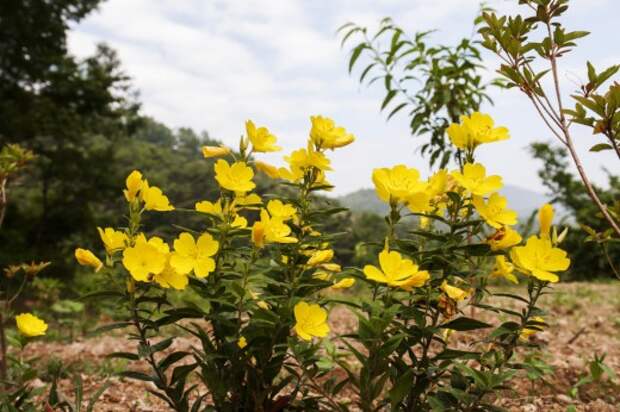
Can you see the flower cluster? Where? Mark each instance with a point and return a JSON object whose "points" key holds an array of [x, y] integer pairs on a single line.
{"points": [[266, 272]]}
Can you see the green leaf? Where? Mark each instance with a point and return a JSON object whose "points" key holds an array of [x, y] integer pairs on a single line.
{"points": [[123, 355], [388, 97], [401, 388], [95, 398], [600, 147], [356, 54], [465, 324]]}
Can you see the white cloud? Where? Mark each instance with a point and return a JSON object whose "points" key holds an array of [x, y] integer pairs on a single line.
{"points": [[212, 65]]}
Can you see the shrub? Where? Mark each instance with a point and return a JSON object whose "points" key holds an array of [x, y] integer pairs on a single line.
{"points": [[264, 272]]}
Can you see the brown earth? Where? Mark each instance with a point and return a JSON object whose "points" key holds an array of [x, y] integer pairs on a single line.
{"points": [[584, 319]]}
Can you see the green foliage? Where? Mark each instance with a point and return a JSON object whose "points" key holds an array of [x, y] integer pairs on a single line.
{"points": [[523, 41], [435, 85]]}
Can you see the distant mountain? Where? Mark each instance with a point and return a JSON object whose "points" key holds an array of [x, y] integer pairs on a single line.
{"points": [[523, 201]]}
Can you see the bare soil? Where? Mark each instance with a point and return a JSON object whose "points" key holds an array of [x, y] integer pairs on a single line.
{"points": [[584, 319]]}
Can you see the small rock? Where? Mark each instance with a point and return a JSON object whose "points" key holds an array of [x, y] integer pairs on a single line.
{"points": [[565, 399], [530, 407]]}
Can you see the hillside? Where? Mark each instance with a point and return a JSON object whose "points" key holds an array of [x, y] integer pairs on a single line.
{"points": [[523, 201]]}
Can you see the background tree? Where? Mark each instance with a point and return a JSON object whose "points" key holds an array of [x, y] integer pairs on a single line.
{"points": [[436, 84]]}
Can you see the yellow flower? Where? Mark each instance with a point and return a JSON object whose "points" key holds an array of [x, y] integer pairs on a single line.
{"points": [[494, 211], [545, 218], [267, 169], [453, 292], [437, 183], [262, 140], [474, 180], [215, 151], [251, 199], [504, 238], [419, 202], [29, 325], [170, 278], [326, 135], [398, 184], [504, 269], [242, 342], [284, 211], [239, 222], [157, 242], [320, 256], [270, 230], [237, 178], [154, 199], [540, 259], [527, 332], [396, 271], [133, 183], [322, 275], [87, 258], [303, 159], [144, 259], [331, 267], [344, 283], [475, 130], [311, 321], [190, 254], [210, 208], [112, 240]]}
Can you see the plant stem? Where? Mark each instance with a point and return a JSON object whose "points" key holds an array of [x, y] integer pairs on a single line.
{"points": [[3, 351], [568, 138]]}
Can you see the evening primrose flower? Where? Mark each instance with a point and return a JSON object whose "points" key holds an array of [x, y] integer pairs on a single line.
{"points": [[133, 185], [311, 321], [540, 259], [303, 159], [325, 134], [154, 199], [474, 180], [527, 332], [190, 254], [87, 258], [242, 342], [249, 199], [113, 240], [270, 230], [237, 178], [239, 222], [170, 278], [494, 211], [210, 208], [266, 168], [396, 271], [320, 256], [453, 292], [284, 211], [29, 325], [397, 184], [144, 259], [344, 283], [475, 130], [215, 151], [545, 219], [262, 140], [504, 269], [504, 238]]}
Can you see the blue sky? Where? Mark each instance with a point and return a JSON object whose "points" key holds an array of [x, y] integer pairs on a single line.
{"points": [[211, 65]]}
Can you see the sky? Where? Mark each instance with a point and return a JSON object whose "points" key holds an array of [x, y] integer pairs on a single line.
{"points": [[211, 65]]}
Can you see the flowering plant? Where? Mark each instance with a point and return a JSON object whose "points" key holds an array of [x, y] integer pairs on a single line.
{"points": [[262, 270]]}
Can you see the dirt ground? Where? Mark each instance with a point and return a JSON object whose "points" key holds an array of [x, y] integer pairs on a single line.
{"points": [[584, 319]]}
